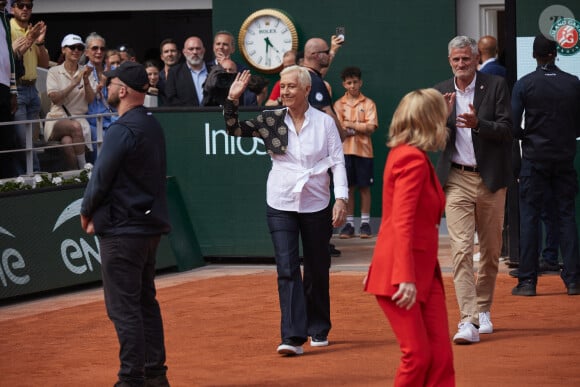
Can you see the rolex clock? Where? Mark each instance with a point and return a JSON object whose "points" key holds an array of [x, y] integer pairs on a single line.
{"points": [[264, 38]]}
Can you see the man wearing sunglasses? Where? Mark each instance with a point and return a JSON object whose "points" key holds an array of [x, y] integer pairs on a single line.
{"points": [[28, 44], [316, 59]]}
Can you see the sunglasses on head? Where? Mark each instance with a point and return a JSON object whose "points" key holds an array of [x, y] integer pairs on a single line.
{"points": [[24, 5], [77, 47]]}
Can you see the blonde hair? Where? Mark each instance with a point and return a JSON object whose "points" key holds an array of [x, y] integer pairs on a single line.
{"points": [[420, 120]]}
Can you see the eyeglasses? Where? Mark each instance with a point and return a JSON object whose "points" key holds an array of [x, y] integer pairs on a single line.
{"points": [[323, 52], [97, 48], [24, 5], [77, 47]]}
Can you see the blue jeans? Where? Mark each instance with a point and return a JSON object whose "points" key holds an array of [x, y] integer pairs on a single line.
{"points": [[536, 178], [128, 271], [304, 301], [28, 109]]}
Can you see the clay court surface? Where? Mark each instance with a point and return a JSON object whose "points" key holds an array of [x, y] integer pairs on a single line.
{"points": [[222, 329]]}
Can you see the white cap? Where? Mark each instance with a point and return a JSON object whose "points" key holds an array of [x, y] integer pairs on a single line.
{"points": [[71, 40]]}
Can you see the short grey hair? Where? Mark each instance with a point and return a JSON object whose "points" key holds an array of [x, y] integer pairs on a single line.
{"points": [[94, 36], [462, 42], [303, 74]]}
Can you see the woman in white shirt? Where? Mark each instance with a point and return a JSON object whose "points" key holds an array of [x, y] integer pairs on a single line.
{"points": [[303, 144], [70, 89]]}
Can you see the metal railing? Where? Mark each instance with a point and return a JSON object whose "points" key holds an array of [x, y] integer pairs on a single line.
{"points": [[29, 148]]}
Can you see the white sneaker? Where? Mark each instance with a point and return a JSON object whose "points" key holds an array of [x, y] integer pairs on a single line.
{"points": [[485, 325], [466, 334], [318, 342], [287, 349]]}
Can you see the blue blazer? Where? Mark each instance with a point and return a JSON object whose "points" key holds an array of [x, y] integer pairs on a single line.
{"points": [[494, 68]]}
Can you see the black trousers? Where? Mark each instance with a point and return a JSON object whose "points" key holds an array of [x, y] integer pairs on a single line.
{"points": [[128, 270], [304, 301], [537, 178], [7, 135]]}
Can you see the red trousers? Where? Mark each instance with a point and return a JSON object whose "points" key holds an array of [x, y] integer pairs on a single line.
{"points": [[423, 335]]}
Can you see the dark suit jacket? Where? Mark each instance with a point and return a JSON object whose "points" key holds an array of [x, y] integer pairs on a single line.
{"points": [[492, 140], [179, 87]]}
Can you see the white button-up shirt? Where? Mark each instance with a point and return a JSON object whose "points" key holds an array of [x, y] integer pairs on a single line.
{"points": [[464, 153], [299, 179]]}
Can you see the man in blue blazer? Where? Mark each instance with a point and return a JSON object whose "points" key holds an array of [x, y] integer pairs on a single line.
{"points": [[487, 47], [474, 170]]}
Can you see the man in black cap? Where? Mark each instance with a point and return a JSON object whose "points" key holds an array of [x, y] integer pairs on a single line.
{"points": [[125, 204], [550, 99]]}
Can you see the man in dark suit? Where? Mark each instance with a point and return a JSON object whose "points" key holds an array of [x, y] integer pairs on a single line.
{"points": [[474, 170], [487, 47], [184, 85]]}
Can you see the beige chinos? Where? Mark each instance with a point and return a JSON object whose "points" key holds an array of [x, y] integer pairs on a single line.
{"points": [[470, 205]]}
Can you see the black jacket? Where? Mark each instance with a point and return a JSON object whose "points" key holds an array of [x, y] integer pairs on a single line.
{"points": [[550, 98], [126, 194], [179, 87], [492, 140]]}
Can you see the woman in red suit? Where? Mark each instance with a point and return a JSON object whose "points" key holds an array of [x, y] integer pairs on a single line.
{"points": [[404, 274]]}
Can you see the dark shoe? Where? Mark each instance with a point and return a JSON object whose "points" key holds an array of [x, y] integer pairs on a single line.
{"points": [[347, 232], [514, 273], [549, 268], [573, 289], [157, 381], [334, 252], [365, 231], [121, 383], [526, 288]]}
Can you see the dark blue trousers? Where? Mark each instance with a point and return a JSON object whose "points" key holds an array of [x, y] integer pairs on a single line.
{"points": [[304, 300], [549, 217], [128, 269], [535, 179]]}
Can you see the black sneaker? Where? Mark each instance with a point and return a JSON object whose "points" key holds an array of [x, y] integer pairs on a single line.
{"points": [[514, 273], [365, 231], [334, 252], [157, 381], [347, 232], [525, 288], [573, 289]]}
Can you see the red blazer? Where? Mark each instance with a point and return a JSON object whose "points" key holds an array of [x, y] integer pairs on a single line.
{"points": [[407, 243]]}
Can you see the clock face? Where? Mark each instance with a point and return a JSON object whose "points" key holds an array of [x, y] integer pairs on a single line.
{"points": [[264, 38]]}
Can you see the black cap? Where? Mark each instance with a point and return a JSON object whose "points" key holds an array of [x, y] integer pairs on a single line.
{"points": [[544, 47], [133, 74]]}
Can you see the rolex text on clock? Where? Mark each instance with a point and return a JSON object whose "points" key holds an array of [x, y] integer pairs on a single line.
{"points": [[264, 38]]}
